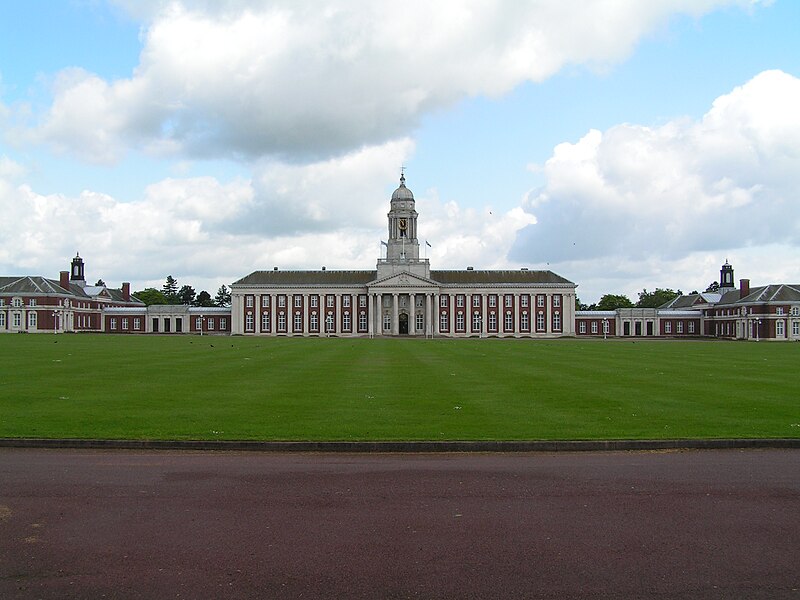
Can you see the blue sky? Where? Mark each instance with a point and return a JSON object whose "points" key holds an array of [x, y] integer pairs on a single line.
{"points": [[206, 140]]}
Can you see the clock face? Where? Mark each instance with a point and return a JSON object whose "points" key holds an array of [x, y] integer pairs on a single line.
{"points": [[403, 224]]}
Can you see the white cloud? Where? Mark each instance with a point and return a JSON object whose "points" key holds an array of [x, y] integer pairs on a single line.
{"points": [[636, 195], [300, 80]]}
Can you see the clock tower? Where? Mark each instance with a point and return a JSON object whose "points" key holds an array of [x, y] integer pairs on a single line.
{"points": [[402, 249]]}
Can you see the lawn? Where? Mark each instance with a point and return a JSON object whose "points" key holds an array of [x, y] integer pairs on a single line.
{"points": [[189, 387]]}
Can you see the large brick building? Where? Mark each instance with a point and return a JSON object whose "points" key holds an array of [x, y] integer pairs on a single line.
{"points": [[403, 296]]}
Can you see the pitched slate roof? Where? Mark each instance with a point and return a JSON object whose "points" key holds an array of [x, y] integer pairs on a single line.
{"points": [[35, 284], [289, 278], [490, 277], [461, 277]]}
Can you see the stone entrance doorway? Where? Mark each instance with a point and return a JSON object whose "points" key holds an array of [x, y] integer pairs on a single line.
{"points": [[403, 324]]}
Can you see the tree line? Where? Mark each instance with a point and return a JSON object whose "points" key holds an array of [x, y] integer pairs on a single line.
{"points": [[170, 293], [653, 299]]}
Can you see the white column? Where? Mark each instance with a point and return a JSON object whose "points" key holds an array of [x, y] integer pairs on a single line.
{"points": [[306, 315], [451, 313], [395, 314], [273, 318], [548, 313], [412, 320], [515, 308]]}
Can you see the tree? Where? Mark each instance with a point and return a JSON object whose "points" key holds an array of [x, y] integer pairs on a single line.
{"points": [[713, 287], [656, 298], [613, 302], [186, 294], [151, 296], [100, 282], [203, 299], [170, 290], [223, 297]]}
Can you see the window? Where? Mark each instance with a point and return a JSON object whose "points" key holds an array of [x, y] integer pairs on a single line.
{"points": [[460, 321], [32, 302], [778, 309], [779, 330], [282, 322], [443, 301], [137, 323], [16, 302], [2, 319], [330, 301], [476, 301], [313, 324], [493, 322], [314, 301], [509, 322], [476, 321], [211, 323], [362, 321], [32, 320], [198, 323], [460, 301], [329, 324], [346, 321], [795, 327], [524, 323], [443, 326], [540, 301], [668, 327], [249, 301], [679, 327], [345, 301], [523, 301], [557, 321], [420, 322], [223, 323], [594, 326], [794, 312], [298, 321], [362, 301], [281, 301], [265, 321], [17, 320], [691, 327], [540, 321], [605, 326], [509, 300], [125, 324], [264, 301], [298, 301], [113, 323], [3, 302], [581, 327], [492, 301], [249, 322], [387, 322], [557, 301]]}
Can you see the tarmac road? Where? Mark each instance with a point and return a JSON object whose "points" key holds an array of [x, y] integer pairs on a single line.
{"points": [[166, 524]]}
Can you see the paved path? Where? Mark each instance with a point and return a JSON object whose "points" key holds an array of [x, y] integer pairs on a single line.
{"points": [[116, 524]]}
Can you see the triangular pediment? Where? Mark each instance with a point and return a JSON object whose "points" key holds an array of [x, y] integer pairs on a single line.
{"points": [[403, 280]]}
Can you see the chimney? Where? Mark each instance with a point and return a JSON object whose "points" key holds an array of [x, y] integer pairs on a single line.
{"points": [[63, 280], [126, 291], [744, 288]]}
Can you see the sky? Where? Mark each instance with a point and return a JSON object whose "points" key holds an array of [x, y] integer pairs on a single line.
{"points": [[624, 145]]}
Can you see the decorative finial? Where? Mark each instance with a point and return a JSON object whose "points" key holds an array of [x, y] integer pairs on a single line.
{"points": [[402, 175]]}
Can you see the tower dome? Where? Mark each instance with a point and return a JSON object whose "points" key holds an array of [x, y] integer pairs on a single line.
{"points": [[402, 193]]}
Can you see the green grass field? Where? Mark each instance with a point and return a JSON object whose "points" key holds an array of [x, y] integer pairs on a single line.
{"points": [[188, 387]]}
